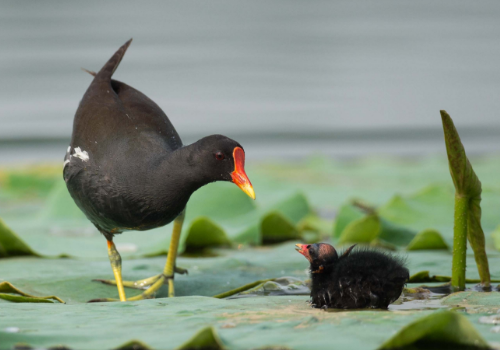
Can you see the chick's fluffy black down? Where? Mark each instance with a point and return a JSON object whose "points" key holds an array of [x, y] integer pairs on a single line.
{"points": [[361, 278]]}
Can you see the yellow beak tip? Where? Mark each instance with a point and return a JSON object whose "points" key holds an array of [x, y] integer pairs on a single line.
{"points": [[248, 189], [251, 194]]}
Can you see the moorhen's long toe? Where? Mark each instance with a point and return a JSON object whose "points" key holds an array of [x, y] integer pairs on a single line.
{"points": [[143, 283], [127, 169], [358, 278]]}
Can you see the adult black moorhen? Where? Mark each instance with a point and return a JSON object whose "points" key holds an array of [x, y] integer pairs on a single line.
{"points": [[127, 169], [359, 278]]}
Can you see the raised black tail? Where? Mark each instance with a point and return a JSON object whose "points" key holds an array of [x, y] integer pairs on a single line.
{"points": [[109, 68]]}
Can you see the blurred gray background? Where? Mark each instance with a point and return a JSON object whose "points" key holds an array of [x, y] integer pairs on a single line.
{"points": [[285, 78]]}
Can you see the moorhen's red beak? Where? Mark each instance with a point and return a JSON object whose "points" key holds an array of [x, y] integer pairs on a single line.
{"points": [[302, 249], [239, 176]]}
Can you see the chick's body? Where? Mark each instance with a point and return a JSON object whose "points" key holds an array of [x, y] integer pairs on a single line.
{"points": [[357, 279]]}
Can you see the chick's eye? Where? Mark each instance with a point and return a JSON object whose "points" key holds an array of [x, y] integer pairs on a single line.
{"points": [[219, 156]]}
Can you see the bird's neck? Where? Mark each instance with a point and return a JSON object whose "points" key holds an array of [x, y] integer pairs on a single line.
{"points": [[177, 175]]}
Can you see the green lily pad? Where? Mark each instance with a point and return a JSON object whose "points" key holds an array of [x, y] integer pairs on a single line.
{"points": [[373, 229], [133, 345], [277, 228], [445, 328], [11, 244], [206, 338], [258, 322], [362, 230], [427, 239], [473, 299], [395, 234], [281, 321], [346, 214], [430, 207], [7, 290], [425, 277], [205, 233]]}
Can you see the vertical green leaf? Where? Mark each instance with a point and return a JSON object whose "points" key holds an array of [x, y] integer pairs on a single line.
{"points": [[467, 208]]}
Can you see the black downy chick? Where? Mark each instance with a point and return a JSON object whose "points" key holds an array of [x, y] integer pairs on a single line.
{"points": [[360, 278]]}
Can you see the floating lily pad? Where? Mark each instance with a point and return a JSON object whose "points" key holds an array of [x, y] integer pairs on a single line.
{"points": [[443, 328], [11, 244], [133, 345], [362, 230], [280, 322], [277, 228], [347, 214], [373, 229], [10, 293], [427, 239], [205, 233], [206, 338]]}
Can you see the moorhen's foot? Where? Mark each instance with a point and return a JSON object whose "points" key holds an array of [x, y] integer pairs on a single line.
{"points": [[149, 292], [141, 284]]}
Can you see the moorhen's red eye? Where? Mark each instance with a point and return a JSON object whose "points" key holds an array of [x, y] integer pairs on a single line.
{"points": [[219, 156], [308, 246]]}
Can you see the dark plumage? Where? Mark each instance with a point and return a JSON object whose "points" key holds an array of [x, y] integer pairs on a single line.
{"points": [[127, 169], [133, 172], [359, 278]]}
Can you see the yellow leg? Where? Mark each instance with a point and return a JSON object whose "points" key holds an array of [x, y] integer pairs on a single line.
{"points": [[168, 271], [116, 265], [155, 282]]}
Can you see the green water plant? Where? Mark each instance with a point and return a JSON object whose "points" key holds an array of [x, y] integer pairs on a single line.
{"points": [[10, 293], [467, 217]]}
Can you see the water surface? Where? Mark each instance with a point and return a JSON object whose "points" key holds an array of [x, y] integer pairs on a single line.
{"points": [[287, 78]]}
